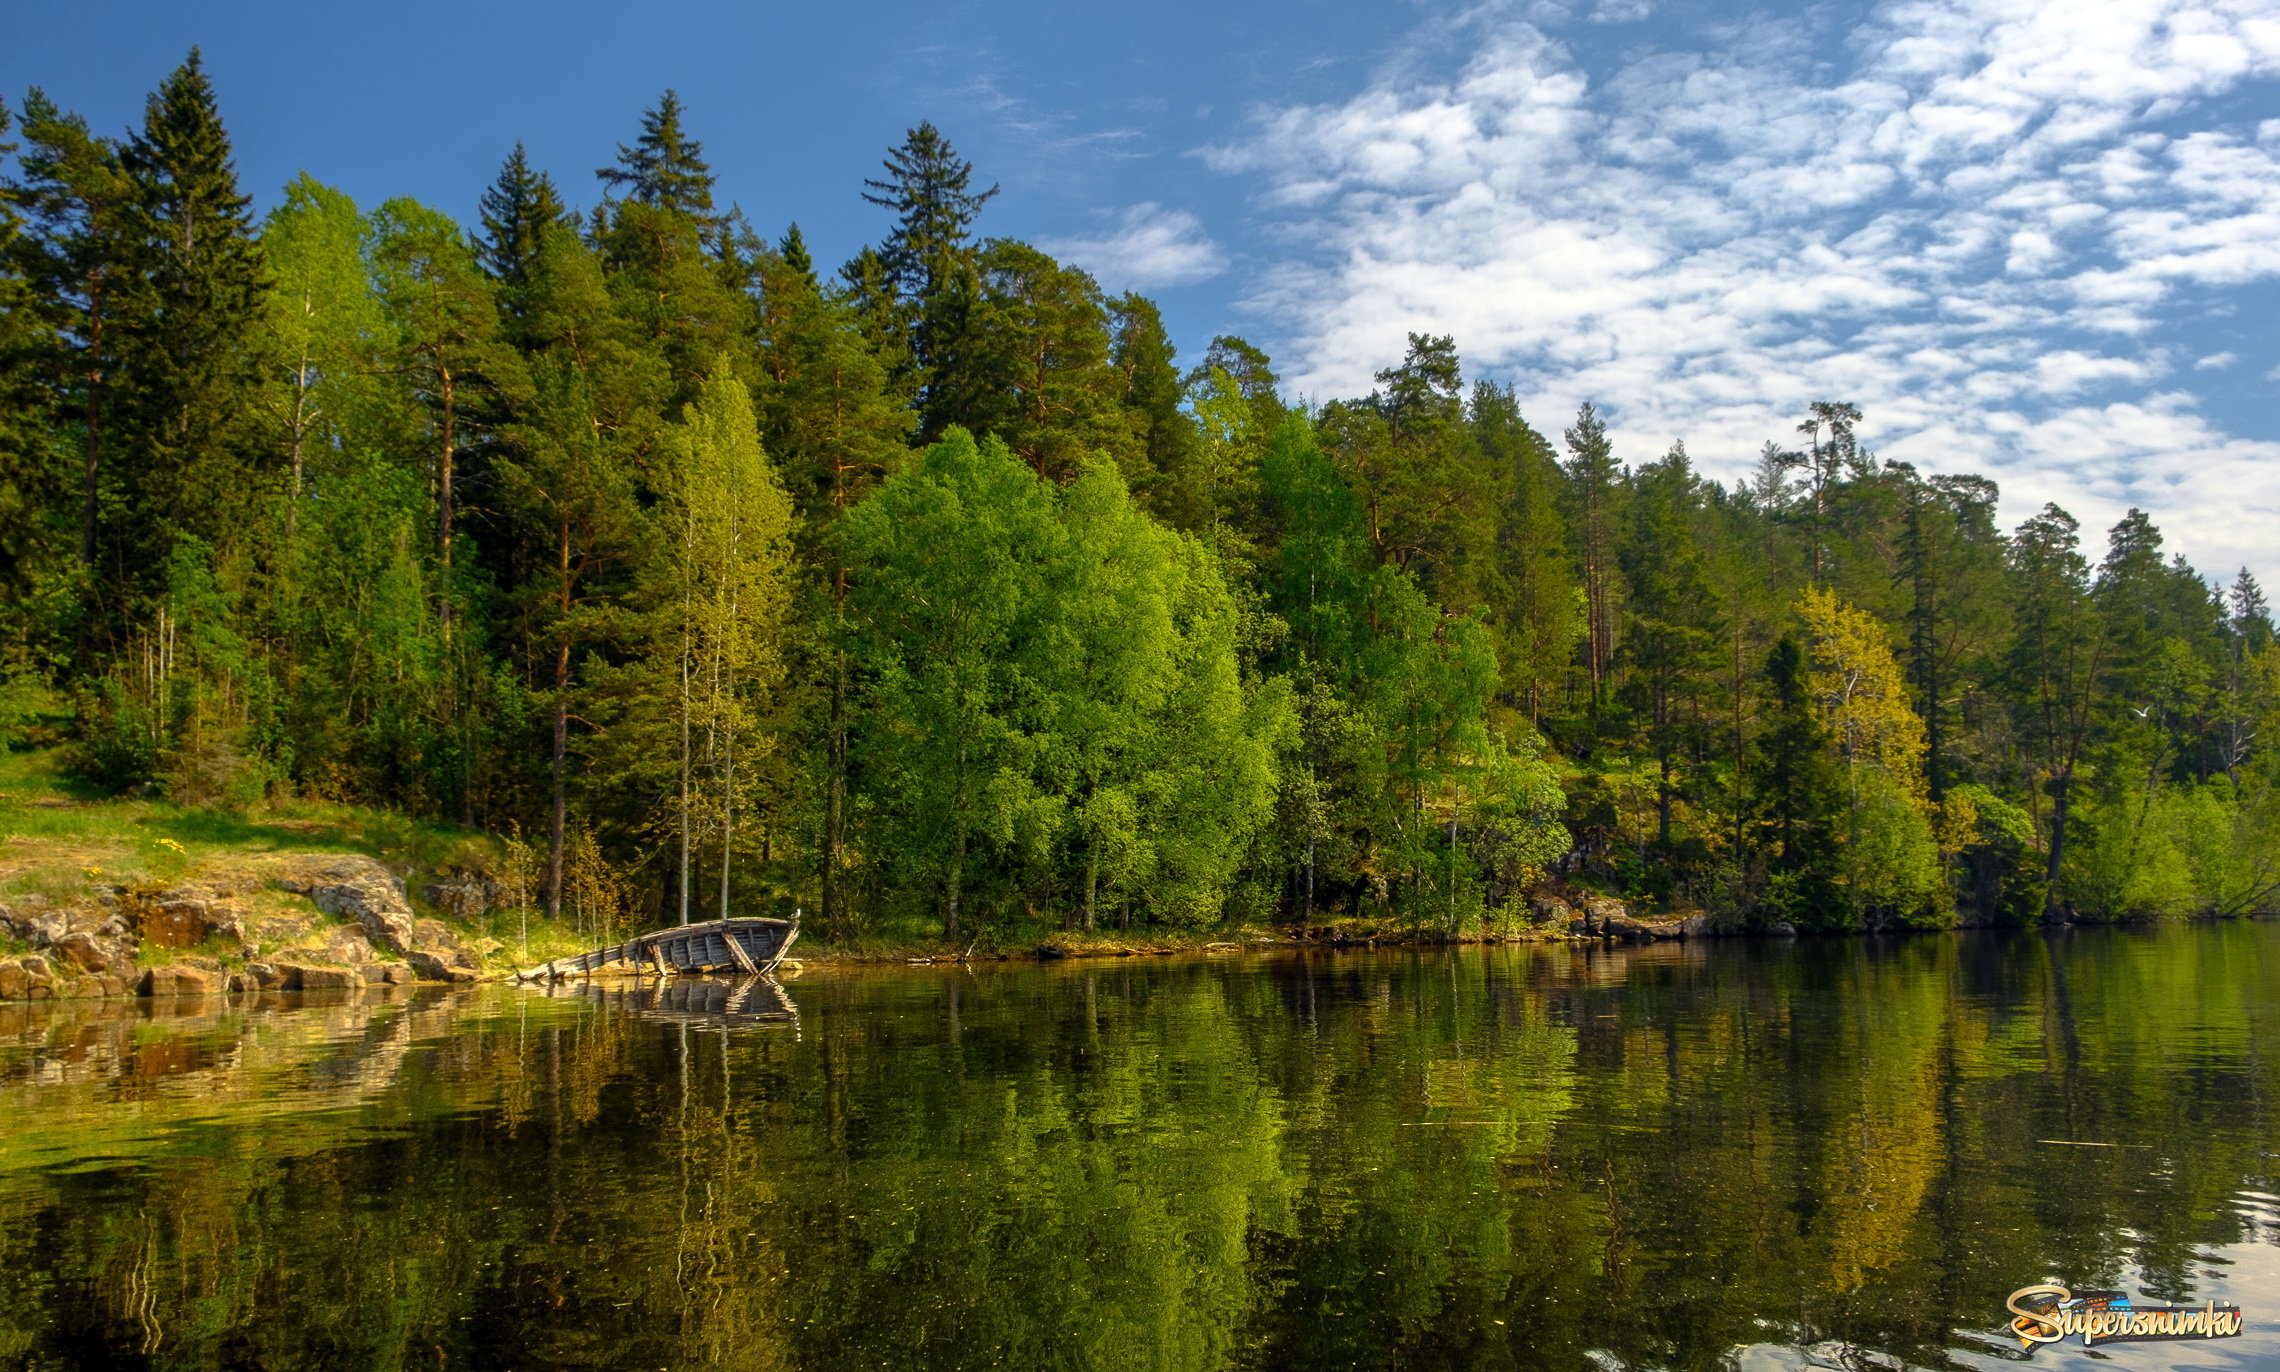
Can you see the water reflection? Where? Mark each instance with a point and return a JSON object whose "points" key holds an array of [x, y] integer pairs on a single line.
{"points": [[701, 1002], [1700, 1156]]}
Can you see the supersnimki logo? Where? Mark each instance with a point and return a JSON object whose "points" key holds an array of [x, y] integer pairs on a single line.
{"points": [[2047, 1314]]}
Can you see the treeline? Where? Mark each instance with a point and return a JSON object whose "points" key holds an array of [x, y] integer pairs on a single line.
{"points": [[934, 588]]}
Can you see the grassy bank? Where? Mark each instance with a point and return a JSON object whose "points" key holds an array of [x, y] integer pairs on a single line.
{"points": [[66, 847]]}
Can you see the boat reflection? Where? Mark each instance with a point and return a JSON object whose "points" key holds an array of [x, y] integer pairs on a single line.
{"points": [[706, 1002]]}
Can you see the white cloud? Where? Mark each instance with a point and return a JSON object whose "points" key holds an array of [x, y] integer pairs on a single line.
{"points": [[2216, 362], [1967, 218], [1148, 246]]}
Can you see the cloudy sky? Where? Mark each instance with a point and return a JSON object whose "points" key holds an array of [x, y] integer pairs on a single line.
{"points": [[2040, 241]]}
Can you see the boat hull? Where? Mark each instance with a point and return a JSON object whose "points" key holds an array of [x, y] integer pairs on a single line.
{"points": [[743, 946]]}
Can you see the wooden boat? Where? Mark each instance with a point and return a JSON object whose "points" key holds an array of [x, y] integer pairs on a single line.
{"points": [[749, 947]]}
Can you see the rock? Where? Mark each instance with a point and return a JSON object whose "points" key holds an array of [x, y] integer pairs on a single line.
{"points": [[1694, 926], [360, 889], [1551, 911], [329, 979], [262, 976], [112, 984], [87, 953], [432, 967], [13, 982], [485, 947], [174, 920], [1624, 926], [80, 988], [463, 892], [433, 936], [279, 931], [1782, 928], [175, 981], [346, 944]]}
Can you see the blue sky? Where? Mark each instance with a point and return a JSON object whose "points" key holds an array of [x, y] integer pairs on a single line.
{"points": [[2040, 241]]}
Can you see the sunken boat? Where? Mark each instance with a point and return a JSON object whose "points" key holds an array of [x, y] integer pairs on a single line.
{"points": [[741, 947]]}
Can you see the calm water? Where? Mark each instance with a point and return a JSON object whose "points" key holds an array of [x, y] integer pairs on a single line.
{"points": [[1838, 1154]]}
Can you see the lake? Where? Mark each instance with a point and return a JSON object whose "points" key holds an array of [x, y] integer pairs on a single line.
{"points": [[1816, 1153]]}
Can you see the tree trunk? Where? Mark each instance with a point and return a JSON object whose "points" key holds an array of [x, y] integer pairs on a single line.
{"points": [[685, 853], [835, 803], [2062, 788], [957, 850], [554, 823], [727, 815], [445, 477], [1092, 882]]}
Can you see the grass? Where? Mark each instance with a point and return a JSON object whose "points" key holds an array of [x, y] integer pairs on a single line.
{"points": [[66, 846]]}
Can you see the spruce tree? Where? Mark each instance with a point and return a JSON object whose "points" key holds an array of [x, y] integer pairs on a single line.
{"points": [[665, 168], [927, 262], [77, 252], [676, 269], [1799, 793], [191, 316], [519, 207], [28, 472]]}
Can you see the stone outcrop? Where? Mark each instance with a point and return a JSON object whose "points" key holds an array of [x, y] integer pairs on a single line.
{"points": [[357, 888], [96, 949], [434, 967], [89, 953], [296, 976], [1551, 912], [177, 981], [463, 892], [185, 917]]}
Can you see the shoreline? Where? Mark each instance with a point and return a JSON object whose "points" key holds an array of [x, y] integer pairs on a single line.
{"points": [[171, 982]]}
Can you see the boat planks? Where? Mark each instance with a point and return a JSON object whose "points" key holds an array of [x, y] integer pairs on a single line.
{"points": [[748, 947]]}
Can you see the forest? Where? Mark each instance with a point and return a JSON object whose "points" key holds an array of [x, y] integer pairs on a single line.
{"points": [[935, 591]]}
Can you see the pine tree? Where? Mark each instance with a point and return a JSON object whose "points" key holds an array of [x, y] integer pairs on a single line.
{"points": [[1037, 373], [445, 334], [1143, 356], [2056, 661], [1594, 486], [1831, 449], [2251, 613], [568, 479], [1536, 600], [1673, 625]]}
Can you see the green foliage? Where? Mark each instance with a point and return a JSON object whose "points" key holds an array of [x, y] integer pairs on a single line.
{"points": [[1051, 710], [611, 529]]}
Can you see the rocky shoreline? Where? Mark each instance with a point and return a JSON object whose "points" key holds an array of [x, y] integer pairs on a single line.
{"points": [[227, 932]]}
